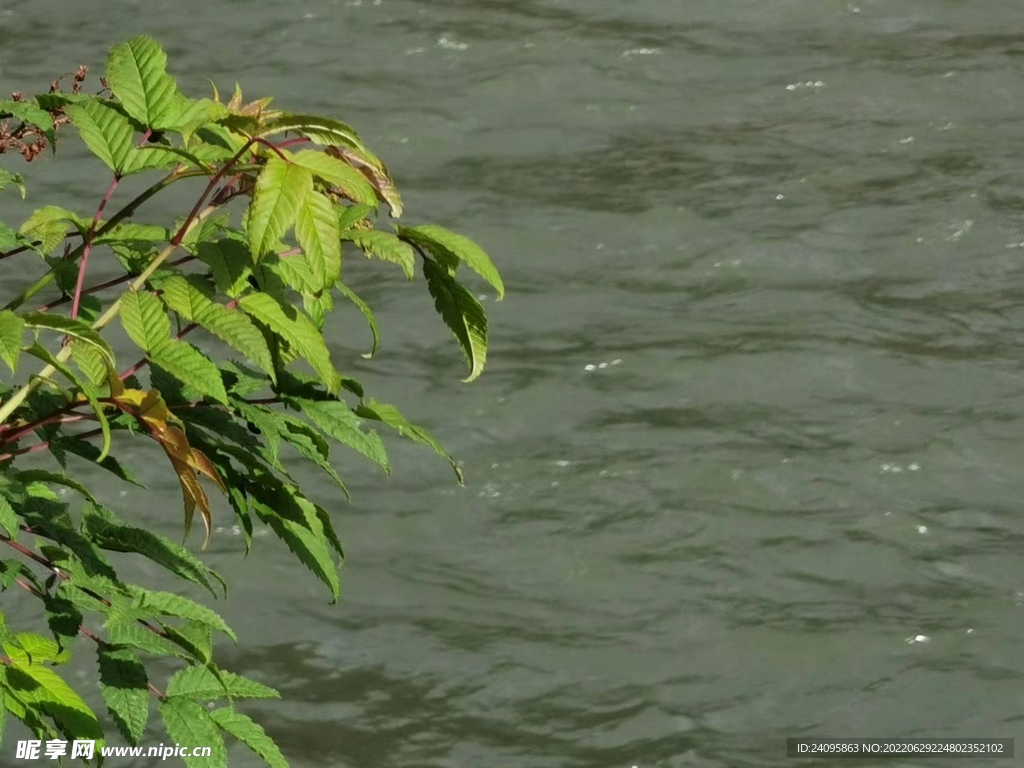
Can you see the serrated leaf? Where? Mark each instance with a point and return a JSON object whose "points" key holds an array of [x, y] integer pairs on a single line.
{"points": [[195, 638], [462, 313], [145, 320], [87, 392], [137, 76], [363, 307], [188, 723], [295, 521], [12, 329], [199, 683], [8, 518], [113, 536], [230, 262], [251, 734], [30, 113], [318, 307], [168, 604], [450, 249], [125, 688], [39, 649], [90, 362], [126, 631], [391, 416], [6, 179], [49, 225], [105, 131], [9, 239], [191, 367], [75, 328], [38, 684], [316, 229], [281, 190], [298, 332], [374, 171], [320, 130], [354, 216], [339, 174], [384, 245], [132, 232], [45, 476], [338, 421], [184, 296]]}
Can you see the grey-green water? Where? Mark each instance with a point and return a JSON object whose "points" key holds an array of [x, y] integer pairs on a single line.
{"points": [[790, 502]]}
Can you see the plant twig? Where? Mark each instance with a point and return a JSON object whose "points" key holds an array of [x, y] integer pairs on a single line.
{"points": [[87, 244]]}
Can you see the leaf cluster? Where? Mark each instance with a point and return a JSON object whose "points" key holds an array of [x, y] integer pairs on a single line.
{"points": [[233, 378]]}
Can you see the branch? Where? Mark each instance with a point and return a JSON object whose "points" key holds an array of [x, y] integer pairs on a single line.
{"points": [[45, 444], [114, 220], [87, 244]]}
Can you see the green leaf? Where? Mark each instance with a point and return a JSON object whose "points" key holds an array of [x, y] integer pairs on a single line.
{"points": [[462, 313], [109, 534], [63, 618], [75, 328], [339, 174], [12, 329], [294, 519], [352, 215], [105, 131], [199, 683], [281, 191], [194, 637], [31, 113], [191, 367], [390, 415], [230, 262], [249, 733], [168, 604], [449, 249], [145, 321], [41, 352], [184, 296], [367, 313], [384, 245], [125, 688], [318, 307], [135, 233], [320, 130], [188, 723], [40, 649], [7, 178], [338, 421], [9, 239], [276, 426], [38, 684], [126, 631], [90, 362], [137, 76], [45, 476], [316, 229], [49, 225], [8, 518], [297, 330]]}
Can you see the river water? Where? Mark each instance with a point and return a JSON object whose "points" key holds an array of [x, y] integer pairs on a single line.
{"points": [[745, 463]]}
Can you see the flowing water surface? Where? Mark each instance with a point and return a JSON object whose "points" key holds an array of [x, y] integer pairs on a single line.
{"points": [[745, 463]]}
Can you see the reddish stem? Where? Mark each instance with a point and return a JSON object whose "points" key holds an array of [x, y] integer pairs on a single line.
{"points": [[45, 444], [87, 249], [176, 240]]}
